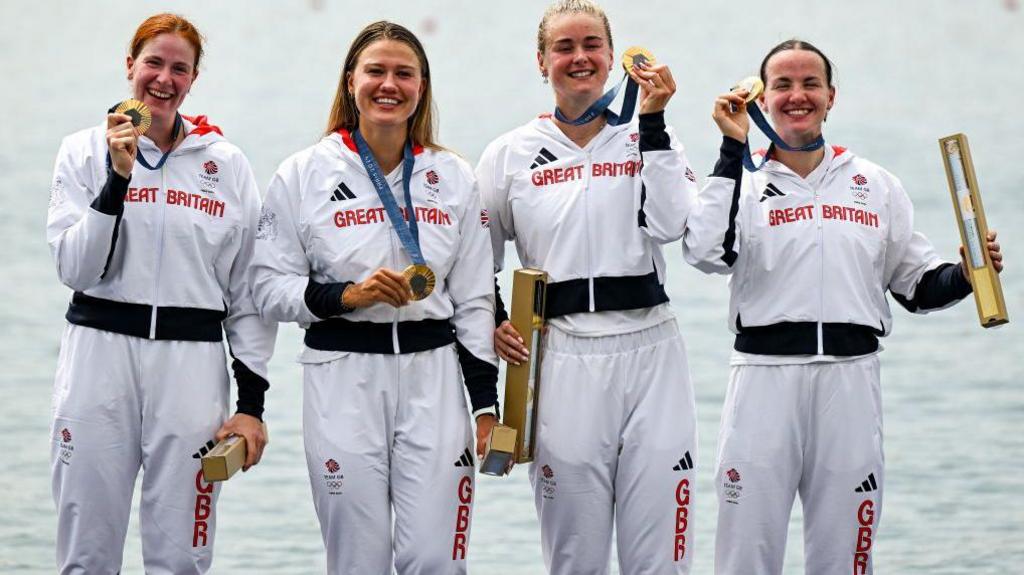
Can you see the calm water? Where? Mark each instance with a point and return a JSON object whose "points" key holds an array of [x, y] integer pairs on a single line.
{"points": [[909, 72]]}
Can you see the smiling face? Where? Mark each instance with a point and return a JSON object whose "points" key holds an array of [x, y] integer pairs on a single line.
{"points": [[797, 95], [161, 75], [577, 58], [386, 83]]}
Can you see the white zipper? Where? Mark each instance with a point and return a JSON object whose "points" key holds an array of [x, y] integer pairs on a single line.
{"points": [[821, 263], [394, 260], [586, 224], [159, 252]]}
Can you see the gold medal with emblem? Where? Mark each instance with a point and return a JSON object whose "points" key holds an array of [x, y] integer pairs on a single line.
{"points": [[141, 117], [421, 279], [753, 85], [635, 55]]}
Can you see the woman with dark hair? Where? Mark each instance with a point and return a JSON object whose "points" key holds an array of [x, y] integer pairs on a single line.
{"points": [[373, 240], [157, 255], [813, 239], [591, 201]]}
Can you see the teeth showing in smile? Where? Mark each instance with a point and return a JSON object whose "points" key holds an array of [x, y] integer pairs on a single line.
{"points": [[386, 101], [581, 74], [159, 95], [798, 112]]}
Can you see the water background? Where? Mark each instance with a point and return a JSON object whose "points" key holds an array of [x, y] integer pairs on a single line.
{"points": [[908, 73]]}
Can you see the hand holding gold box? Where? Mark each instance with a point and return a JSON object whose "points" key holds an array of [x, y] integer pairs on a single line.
{"points": [[970, 216], [225, 459]]}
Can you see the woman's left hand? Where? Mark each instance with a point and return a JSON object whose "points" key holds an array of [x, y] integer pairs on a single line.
{"points": [[994, 254], [484, 424], [656, 86], [252, 430]]}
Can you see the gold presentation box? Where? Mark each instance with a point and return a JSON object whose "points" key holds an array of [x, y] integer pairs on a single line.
{"points": [[226, 458], [522, 382], [501, 450], [970, 217]]}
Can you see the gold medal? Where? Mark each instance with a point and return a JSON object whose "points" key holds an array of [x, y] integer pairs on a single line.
{"points": [[141, 117], [421, 279], [753, 85], [636, 55]]}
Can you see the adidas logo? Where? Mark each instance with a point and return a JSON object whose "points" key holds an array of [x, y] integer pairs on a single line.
{"points": [[466, 460], [342, 193], [770, 192], [867, 485], [204, 449], [544, 157], [684, 464]]}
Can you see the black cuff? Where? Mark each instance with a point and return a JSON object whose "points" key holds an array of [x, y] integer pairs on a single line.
{"points": [[653, 136], [481, 378], [324, 300], [111, 198], [251, 390], [730, 159], [500, 315], [937, 288]]}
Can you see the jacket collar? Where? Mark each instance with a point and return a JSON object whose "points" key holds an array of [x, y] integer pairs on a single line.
{"points": [[545, 124], [341, 143]]}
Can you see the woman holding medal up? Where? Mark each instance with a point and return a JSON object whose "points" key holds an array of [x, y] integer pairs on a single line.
{"points": [[154, 233], [373, 240], [589, 197], [813, 237]]}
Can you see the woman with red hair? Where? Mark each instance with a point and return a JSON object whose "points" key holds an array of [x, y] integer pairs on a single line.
{"points": [[154, 234]]}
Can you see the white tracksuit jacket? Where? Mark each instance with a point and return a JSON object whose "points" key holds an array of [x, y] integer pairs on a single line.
{"points": [[158, 265], [811, 259], [171, 261], [323, 226], [564, 207], [594, 219]]}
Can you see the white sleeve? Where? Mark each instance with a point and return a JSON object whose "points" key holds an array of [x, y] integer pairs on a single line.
{"points": [[81, 237], [908, 254], [470, 285], [493, 184], [712, 239], [250, 339], [280, 270], [666, 193]]}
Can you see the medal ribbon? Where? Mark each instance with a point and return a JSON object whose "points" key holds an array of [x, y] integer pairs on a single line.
{"points": [[407, 230], [601, 106], [777, 141]]}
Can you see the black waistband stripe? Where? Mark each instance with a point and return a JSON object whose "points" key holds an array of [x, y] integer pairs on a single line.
{"points": [[610, 293], [336, 334], [172, 323]]}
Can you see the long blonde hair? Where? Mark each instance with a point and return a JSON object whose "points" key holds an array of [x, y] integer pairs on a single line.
{"points": [[344, 115]]}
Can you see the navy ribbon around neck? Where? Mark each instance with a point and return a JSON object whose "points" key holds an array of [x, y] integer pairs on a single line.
{"points": [[163, 158], [600, 106], [406, 228], [138, 153], [777, 141]]}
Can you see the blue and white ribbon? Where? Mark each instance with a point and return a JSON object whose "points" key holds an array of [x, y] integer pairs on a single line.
{"points": [[406, 228]]}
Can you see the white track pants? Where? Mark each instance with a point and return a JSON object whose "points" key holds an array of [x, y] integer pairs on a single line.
{"points": [[813, 429], [617, 442], [121, 402], [387, 432]]}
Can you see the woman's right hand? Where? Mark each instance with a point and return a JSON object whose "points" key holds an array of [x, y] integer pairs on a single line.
{"points": [[383, 286], [123, 143], [730, 114], [508, 344]]}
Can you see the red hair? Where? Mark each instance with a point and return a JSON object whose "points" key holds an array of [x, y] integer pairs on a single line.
{"points": [[166, 24]]}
